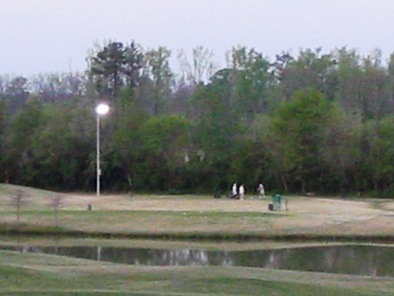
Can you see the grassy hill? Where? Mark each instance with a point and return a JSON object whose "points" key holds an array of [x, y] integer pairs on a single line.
{"points": [[197, 217]]}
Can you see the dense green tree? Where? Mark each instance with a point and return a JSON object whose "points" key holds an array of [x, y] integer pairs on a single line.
{"points": [[341, 150], [166, 145], [3, 142], [15, 93], [105, 68], [349, 79], [310, 69], [115, 65], [297, 137], [60, 150], [390, 85], [159, 72], [250, 80], [216, 129], [23, 169], [180, 100], [380, 154], [308, 122], [374, 98], [133, 61], [126, 145], [267, 166]]}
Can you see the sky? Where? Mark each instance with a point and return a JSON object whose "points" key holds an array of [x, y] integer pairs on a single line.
{"points": [[55, 36]]}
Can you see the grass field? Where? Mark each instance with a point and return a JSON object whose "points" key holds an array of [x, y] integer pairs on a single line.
{"points": [[183, 217], [196, 216], [36, 274]]}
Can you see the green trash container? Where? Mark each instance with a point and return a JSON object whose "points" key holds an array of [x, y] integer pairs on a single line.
{"points": [[277, 201]]}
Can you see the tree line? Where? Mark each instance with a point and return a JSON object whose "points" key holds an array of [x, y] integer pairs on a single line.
{"points": [[308, 123]]}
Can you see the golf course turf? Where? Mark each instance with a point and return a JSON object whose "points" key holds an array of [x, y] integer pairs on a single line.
{"points": [[179, 221]]}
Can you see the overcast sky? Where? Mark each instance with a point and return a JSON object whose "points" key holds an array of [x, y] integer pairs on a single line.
{"points": [[44, 36]]}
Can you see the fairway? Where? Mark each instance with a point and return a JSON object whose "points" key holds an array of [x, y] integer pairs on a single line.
{"points": [[199, 217], [201, 214]]}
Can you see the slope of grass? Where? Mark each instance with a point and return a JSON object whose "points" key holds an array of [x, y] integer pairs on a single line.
{"points": [[38, 274], [183, 217], [194, 217]]}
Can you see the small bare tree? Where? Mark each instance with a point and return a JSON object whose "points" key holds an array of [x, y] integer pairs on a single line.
{"points": [[56, 203], [18, 200]]}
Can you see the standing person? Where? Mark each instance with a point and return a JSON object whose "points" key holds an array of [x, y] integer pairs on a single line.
{"points": [[241, 192], [234, 191], [261, 190]]}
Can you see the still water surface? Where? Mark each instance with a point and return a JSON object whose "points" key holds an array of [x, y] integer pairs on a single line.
{"points": [[344, 259]]}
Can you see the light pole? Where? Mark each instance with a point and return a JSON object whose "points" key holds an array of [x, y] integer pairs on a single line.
{"points": [[101, 110]]}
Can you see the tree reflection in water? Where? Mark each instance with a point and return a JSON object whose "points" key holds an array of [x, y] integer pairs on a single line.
{"points": [[345, 259]]}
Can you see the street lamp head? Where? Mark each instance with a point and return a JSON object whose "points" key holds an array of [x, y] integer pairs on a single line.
{"points": [[102, 109]]}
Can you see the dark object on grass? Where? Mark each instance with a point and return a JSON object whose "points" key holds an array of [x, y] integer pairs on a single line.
{"points": [[230, 195], [174, 191]]}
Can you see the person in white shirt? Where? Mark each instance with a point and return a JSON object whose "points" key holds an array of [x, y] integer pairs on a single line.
{"points": [[234, 191], [241, 192], [261, 191]]}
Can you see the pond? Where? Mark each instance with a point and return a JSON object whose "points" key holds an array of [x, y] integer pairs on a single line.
{"points": [[373, 260]]}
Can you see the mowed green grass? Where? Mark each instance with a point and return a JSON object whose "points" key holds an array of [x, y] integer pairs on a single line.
{"points": [[191, 223], [191, 216], [39, 274], [123, 215]]}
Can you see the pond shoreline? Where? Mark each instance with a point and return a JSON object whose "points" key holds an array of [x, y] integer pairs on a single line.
{"points": [[219, 237]]}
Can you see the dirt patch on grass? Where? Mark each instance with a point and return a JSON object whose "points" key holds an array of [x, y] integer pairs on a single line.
{"points": [[387, 205]]}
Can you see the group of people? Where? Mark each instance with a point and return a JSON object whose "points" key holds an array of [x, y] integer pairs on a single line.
{"points": [[239, 193]]}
